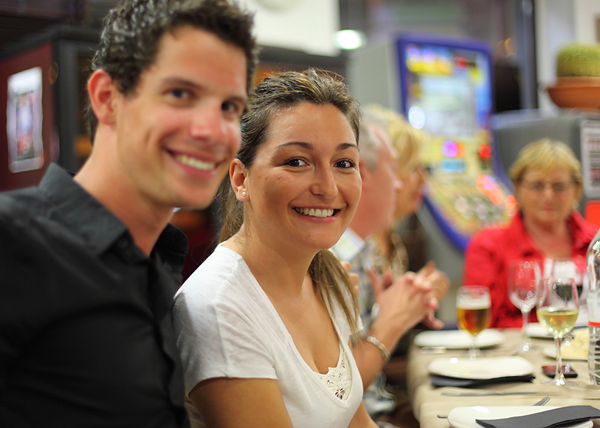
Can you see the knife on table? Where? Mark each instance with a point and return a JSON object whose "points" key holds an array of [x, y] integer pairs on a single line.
{"points": [[478, 393]]}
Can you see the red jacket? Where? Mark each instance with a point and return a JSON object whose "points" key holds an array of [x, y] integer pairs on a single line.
{"points": [[490, 252]]}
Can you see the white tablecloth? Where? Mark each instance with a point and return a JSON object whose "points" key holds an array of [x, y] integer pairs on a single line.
{"points": [[427, 402]]}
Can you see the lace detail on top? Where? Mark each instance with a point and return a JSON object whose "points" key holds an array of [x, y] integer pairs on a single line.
{"points": [[339, 379]]}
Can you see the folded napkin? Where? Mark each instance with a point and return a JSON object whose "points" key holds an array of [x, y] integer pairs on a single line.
{"points": [[551, 418], [472, 383]]}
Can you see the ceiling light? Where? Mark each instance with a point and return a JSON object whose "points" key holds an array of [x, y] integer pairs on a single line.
{"points": [[349, 39]]}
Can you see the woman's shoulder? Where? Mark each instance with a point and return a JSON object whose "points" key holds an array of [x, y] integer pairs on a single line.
{"points": [[490, 234], [496, 238], [580, 226], [508, 230], [223, 270]]}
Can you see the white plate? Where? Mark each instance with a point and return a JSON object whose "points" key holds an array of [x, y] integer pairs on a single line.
{"points": [[480, 368], [464, 417], [458, 339], [566, 353], [535, 329]]}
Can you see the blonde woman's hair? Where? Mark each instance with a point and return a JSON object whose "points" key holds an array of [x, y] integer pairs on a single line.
{"points": [[406, 139], [546, 155]]}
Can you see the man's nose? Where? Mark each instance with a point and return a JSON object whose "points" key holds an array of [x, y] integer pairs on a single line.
{"points": [[209, 123]]}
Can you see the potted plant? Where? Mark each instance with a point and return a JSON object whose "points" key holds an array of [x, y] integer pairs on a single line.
{"points": [[578, 77]]}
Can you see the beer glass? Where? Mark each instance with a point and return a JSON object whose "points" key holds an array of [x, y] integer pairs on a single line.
{"points": [[557, 311], [473, 309], [523, 276]]}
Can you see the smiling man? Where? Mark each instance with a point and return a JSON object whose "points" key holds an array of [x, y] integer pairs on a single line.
{"points": [[89, 263]]}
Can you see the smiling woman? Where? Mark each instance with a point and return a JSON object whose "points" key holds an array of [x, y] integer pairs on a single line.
{"points": [[268, 317]]}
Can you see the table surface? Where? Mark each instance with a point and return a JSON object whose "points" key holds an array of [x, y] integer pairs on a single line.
{"points": [[427, 401]]}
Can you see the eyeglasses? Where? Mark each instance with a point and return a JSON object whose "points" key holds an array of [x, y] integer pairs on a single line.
{"points": [[417, 168], [540, 186]]}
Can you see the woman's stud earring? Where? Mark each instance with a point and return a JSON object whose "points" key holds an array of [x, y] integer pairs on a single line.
{"points": [[244, 194]]}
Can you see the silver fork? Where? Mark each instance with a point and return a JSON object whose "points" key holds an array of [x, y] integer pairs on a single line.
{"points": [[542, 401], [539, 403]]}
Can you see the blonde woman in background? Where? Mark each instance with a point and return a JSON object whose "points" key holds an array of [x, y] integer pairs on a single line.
{"points": [[548, 186], [407, 141]]}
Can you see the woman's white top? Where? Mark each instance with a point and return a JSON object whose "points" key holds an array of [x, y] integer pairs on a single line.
{"points": [[226, 326], [338, 379]]}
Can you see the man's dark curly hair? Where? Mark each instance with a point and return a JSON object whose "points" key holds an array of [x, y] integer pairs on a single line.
{"points": [[133, 29]]}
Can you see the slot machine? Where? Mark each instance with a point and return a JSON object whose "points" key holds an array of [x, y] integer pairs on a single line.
{"points": [[443, 86]]}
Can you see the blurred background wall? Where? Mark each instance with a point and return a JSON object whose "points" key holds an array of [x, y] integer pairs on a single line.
{"points": [[522, 37]]}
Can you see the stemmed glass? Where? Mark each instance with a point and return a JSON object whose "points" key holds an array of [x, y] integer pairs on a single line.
{"points": [[570, 268], [557, 310], [473, 307], [523, 276]]}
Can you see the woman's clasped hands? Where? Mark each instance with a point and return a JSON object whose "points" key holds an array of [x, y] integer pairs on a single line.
{"points": [[408, 299]]}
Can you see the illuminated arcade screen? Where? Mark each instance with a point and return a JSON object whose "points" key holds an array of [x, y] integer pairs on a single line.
{"points": [[446, 92]]}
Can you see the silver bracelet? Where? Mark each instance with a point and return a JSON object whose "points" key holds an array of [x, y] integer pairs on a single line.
{"points": [[384, 352], [375, 310]]}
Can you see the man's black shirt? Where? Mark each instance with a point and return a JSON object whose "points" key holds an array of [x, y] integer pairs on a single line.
{"points": [[85, 327]]}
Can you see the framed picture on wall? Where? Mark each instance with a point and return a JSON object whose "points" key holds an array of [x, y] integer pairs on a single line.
{"points": [[24, 120]]}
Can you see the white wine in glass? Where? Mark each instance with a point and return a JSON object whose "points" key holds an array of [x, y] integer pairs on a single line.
{"points": [[523, 276], [473, 310], [571, 268], [557, 311]]}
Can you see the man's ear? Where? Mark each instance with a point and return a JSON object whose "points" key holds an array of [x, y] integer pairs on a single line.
{"points": [[102, 93], [237, 175]]}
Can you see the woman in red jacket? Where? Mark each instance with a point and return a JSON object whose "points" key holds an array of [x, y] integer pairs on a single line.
{"points": [[548, 185]]}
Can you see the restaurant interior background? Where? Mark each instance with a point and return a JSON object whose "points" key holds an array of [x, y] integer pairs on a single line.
{"points": [[514, 43]]}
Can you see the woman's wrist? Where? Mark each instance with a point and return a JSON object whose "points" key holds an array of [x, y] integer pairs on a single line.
{"points": [[385, 353]]}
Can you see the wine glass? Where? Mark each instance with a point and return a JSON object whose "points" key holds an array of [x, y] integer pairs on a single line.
{"points": [[523, 276], [557, 310], [473, 307], [572, 268]]}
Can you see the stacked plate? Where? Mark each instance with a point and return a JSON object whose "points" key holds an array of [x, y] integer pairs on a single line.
{"points": [[538, 331], [481, 368], [458, 339], [464, 372], [575, 348], [465, 417]]}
